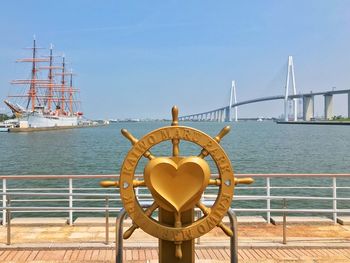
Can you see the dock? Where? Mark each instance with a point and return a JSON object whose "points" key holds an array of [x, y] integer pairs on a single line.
{"points": [[56, 128], [260, 242]]}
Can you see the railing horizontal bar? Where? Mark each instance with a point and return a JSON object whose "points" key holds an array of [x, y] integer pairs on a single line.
{"points": [[116, 176], [257, 197], [206, 196], [301, 187], [102, 209]]}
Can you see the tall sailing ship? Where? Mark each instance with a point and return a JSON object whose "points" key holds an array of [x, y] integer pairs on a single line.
{"points": [[48, 98]]}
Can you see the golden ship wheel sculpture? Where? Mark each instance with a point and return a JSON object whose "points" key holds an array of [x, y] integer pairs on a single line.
{"points": [[177, 184]]}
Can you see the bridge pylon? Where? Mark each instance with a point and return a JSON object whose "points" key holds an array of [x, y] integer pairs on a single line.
{"points": [[233, 100], [290, 76]]}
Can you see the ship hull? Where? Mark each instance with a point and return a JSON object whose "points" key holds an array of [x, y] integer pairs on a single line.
{"points": [[37, 120]]}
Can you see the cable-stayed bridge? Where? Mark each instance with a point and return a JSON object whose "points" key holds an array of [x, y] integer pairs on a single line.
{"points": [[230, 112]]}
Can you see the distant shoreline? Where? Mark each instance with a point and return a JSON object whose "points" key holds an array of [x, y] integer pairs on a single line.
{"points": [[315, 122]]}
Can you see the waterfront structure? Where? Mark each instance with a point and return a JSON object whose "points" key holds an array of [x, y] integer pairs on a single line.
{"points": [[224, 113], [46, 102]]}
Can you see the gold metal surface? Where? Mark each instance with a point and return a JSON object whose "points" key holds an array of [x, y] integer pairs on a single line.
{"points": [[176, 184], [199, 227]]}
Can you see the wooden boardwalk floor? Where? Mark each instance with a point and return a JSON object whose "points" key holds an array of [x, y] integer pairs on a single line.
{"points": [[202, 255]]}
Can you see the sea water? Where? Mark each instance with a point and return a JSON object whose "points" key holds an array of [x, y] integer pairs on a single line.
{"points": [[253, 147]]}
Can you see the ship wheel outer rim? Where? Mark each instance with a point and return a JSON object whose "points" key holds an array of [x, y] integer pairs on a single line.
{"points": [[199, 227]]}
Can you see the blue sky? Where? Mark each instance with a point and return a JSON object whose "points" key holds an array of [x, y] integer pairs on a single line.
{"points": [[138, 58]]}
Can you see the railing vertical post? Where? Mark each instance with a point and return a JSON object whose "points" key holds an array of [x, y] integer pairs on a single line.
{"points": [[284, 221], [233, 239], [198, 212], [335, 199], [119, 236], [70, 189], [4, 191], [268, 201], [8, 220], [107, 220]]}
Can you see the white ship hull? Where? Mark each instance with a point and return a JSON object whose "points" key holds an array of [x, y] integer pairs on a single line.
{"points": [[39, 120]]}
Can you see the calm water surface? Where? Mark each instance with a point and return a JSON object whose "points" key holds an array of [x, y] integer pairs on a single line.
{"points": [[253, 147]]}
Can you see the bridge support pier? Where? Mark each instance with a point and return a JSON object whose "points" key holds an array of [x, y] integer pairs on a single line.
{"points": [[228, 114], [328, 106], [308, 107], [349, 104]]}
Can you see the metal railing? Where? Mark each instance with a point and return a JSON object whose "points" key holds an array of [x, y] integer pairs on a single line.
{"points": [[77, 199]]}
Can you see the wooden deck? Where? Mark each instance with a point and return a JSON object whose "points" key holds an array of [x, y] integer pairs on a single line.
{"points": [[202, 255]]}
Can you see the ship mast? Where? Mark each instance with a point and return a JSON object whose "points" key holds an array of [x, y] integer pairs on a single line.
{"points": [[63, 85], [49, 100], [32, 95], [32, 90], [71, 92]]}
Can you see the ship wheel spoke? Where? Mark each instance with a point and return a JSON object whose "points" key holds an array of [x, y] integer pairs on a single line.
{"points": [[204, 153], [206, 211], [178, 224], [175, 122], [134, 226], [133, 140]]}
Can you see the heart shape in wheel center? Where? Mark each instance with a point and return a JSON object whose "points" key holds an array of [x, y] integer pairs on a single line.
{"points": [[177, 183]]}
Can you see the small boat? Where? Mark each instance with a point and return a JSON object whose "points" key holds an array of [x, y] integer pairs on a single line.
{"points": [[4, 127]]}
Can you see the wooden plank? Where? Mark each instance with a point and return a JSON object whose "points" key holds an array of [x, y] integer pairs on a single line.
{"points": [[94, 255], [88, 254], [74, 255], [247, 254], [128, 254], [68, 254], [135, 254], [32, 255], [154, 253], [109, 255], [276, 253], [25, 256], [217, 254], [289, 253], [302, 253], [102, 254], [199, 254], [40, 255], [142, 254], [81, 254], [17, 255], [4, 255], [259, 252], [221, 253], [311, 252], [294, 253], [266, 254], [253, 254], [205, 253]]}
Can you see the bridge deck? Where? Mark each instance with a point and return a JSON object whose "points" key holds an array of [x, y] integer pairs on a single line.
{"points": [[151, 255]]}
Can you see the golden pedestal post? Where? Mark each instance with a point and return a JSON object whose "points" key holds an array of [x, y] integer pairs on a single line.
{"points": [[167, 249], [177, 184]]}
